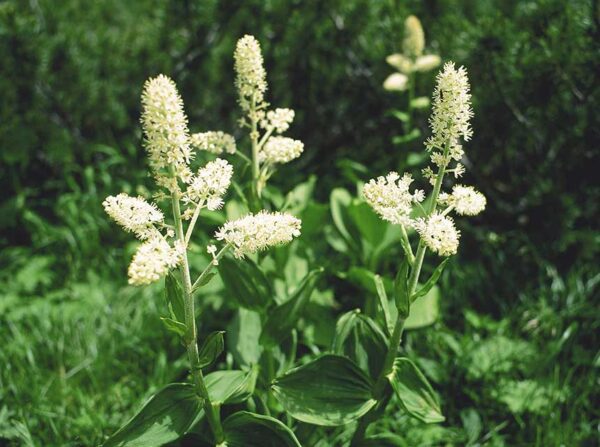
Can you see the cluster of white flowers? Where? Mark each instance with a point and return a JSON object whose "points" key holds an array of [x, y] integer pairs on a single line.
{"points": [[210, 184], [256, 232], [451, 115], [438, 233], [414, 37], [165, 129], [390, 197], [280, 150], [465, 200], [134, 214], [251, 77], [215, 142], [412, 60], [279, 119], [152, 260]]}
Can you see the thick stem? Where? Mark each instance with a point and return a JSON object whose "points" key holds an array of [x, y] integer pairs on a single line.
{"points": [[212, 413], [255, 147]]}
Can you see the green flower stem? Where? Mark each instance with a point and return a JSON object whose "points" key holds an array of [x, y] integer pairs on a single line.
{"points": [[413, 280], [192, 224], [255, 147], [406, 245], [411, 94], [212, 413], [209, 267]]}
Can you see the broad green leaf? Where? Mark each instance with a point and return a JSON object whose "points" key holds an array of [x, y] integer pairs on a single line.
{"points": [[245, 429], [359, 338], [282, 319], [401, 290], [167, 416], [230, 387], [384, 440], [330, 390], [430, 282], [242, 337], [174, 298], [245, 283], [384, 303], [211, 348], [425, 311], [414, 391], [174, 326]]}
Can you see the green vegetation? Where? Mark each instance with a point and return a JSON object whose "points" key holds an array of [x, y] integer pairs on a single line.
{"points": [[509, 335]]}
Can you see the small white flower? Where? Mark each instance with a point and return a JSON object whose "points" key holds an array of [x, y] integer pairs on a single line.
{"points": [[256, 232], [250, 73], [396, 82], [390, 197], [210, 184], [466, 200], [215, 142], [439, 234], [450, 118], [134, 214], [400, 62], [427, 62], [280, 119], [211, 249], [280, 150], [152, 260], [165, 129]]}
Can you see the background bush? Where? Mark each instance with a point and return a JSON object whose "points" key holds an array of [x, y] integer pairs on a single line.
{"points": [[525, 283]]}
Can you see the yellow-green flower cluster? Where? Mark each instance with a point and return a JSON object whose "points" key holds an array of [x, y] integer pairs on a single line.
{"points": [[215, 142], [280, 150], [209, 185], [251, 77], [412, 58], [390, 197]]}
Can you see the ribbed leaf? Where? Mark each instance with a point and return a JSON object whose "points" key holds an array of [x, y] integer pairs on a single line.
{"points": [[245, 429], [230, 387]]}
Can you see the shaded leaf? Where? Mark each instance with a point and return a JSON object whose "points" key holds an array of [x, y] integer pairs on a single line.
{"points": [[174, 298], [174, 326], [211, 348], [433, 279], [245, 283], [245, 429], [330, 390], [414, 391], [230, 387], [425, 311]]}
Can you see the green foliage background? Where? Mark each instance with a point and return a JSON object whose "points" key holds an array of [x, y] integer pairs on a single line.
{"points": [[520, 304]]}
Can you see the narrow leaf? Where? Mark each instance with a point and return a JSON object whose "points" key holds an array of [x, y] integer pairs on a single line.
{"points": [[245, 429], [205, 280], [384, 303], [167, 416], [211, 348], [331, 390], [433, 279], [281, 320], [401, 290], [414, 391], [174, 298], [174, 326]]}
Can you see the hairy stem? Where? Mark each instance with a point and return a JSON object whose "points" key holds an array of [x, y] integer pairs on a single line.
{"points": [[212, 413]]}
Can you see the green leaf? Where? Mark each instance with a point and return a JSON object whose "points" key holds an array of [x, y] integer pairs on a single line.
{"points": [[205, 280], [401, 290], [245, 283], [211, 348], [330, 390], [339, 201], [402, 116], [245, 429], [384, 440], [230, 387], [174, 298], [281, 320], [412, 135], [414, 391], [430, 282], [360, 339], [242, 337], [384, 303], [422, 102], [174, 326], [167, 416], [425, 311]]}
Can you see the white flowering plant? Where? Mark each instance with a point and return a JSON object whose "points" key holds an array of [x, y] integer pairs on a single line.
{"points": [[163, 253], [365, 370], [409, 64]]}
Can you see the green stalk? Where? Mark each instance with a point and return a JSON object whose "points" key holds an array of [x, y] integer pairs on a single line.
{"points": [[413, 280], [212, 412], [255, 163]]}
